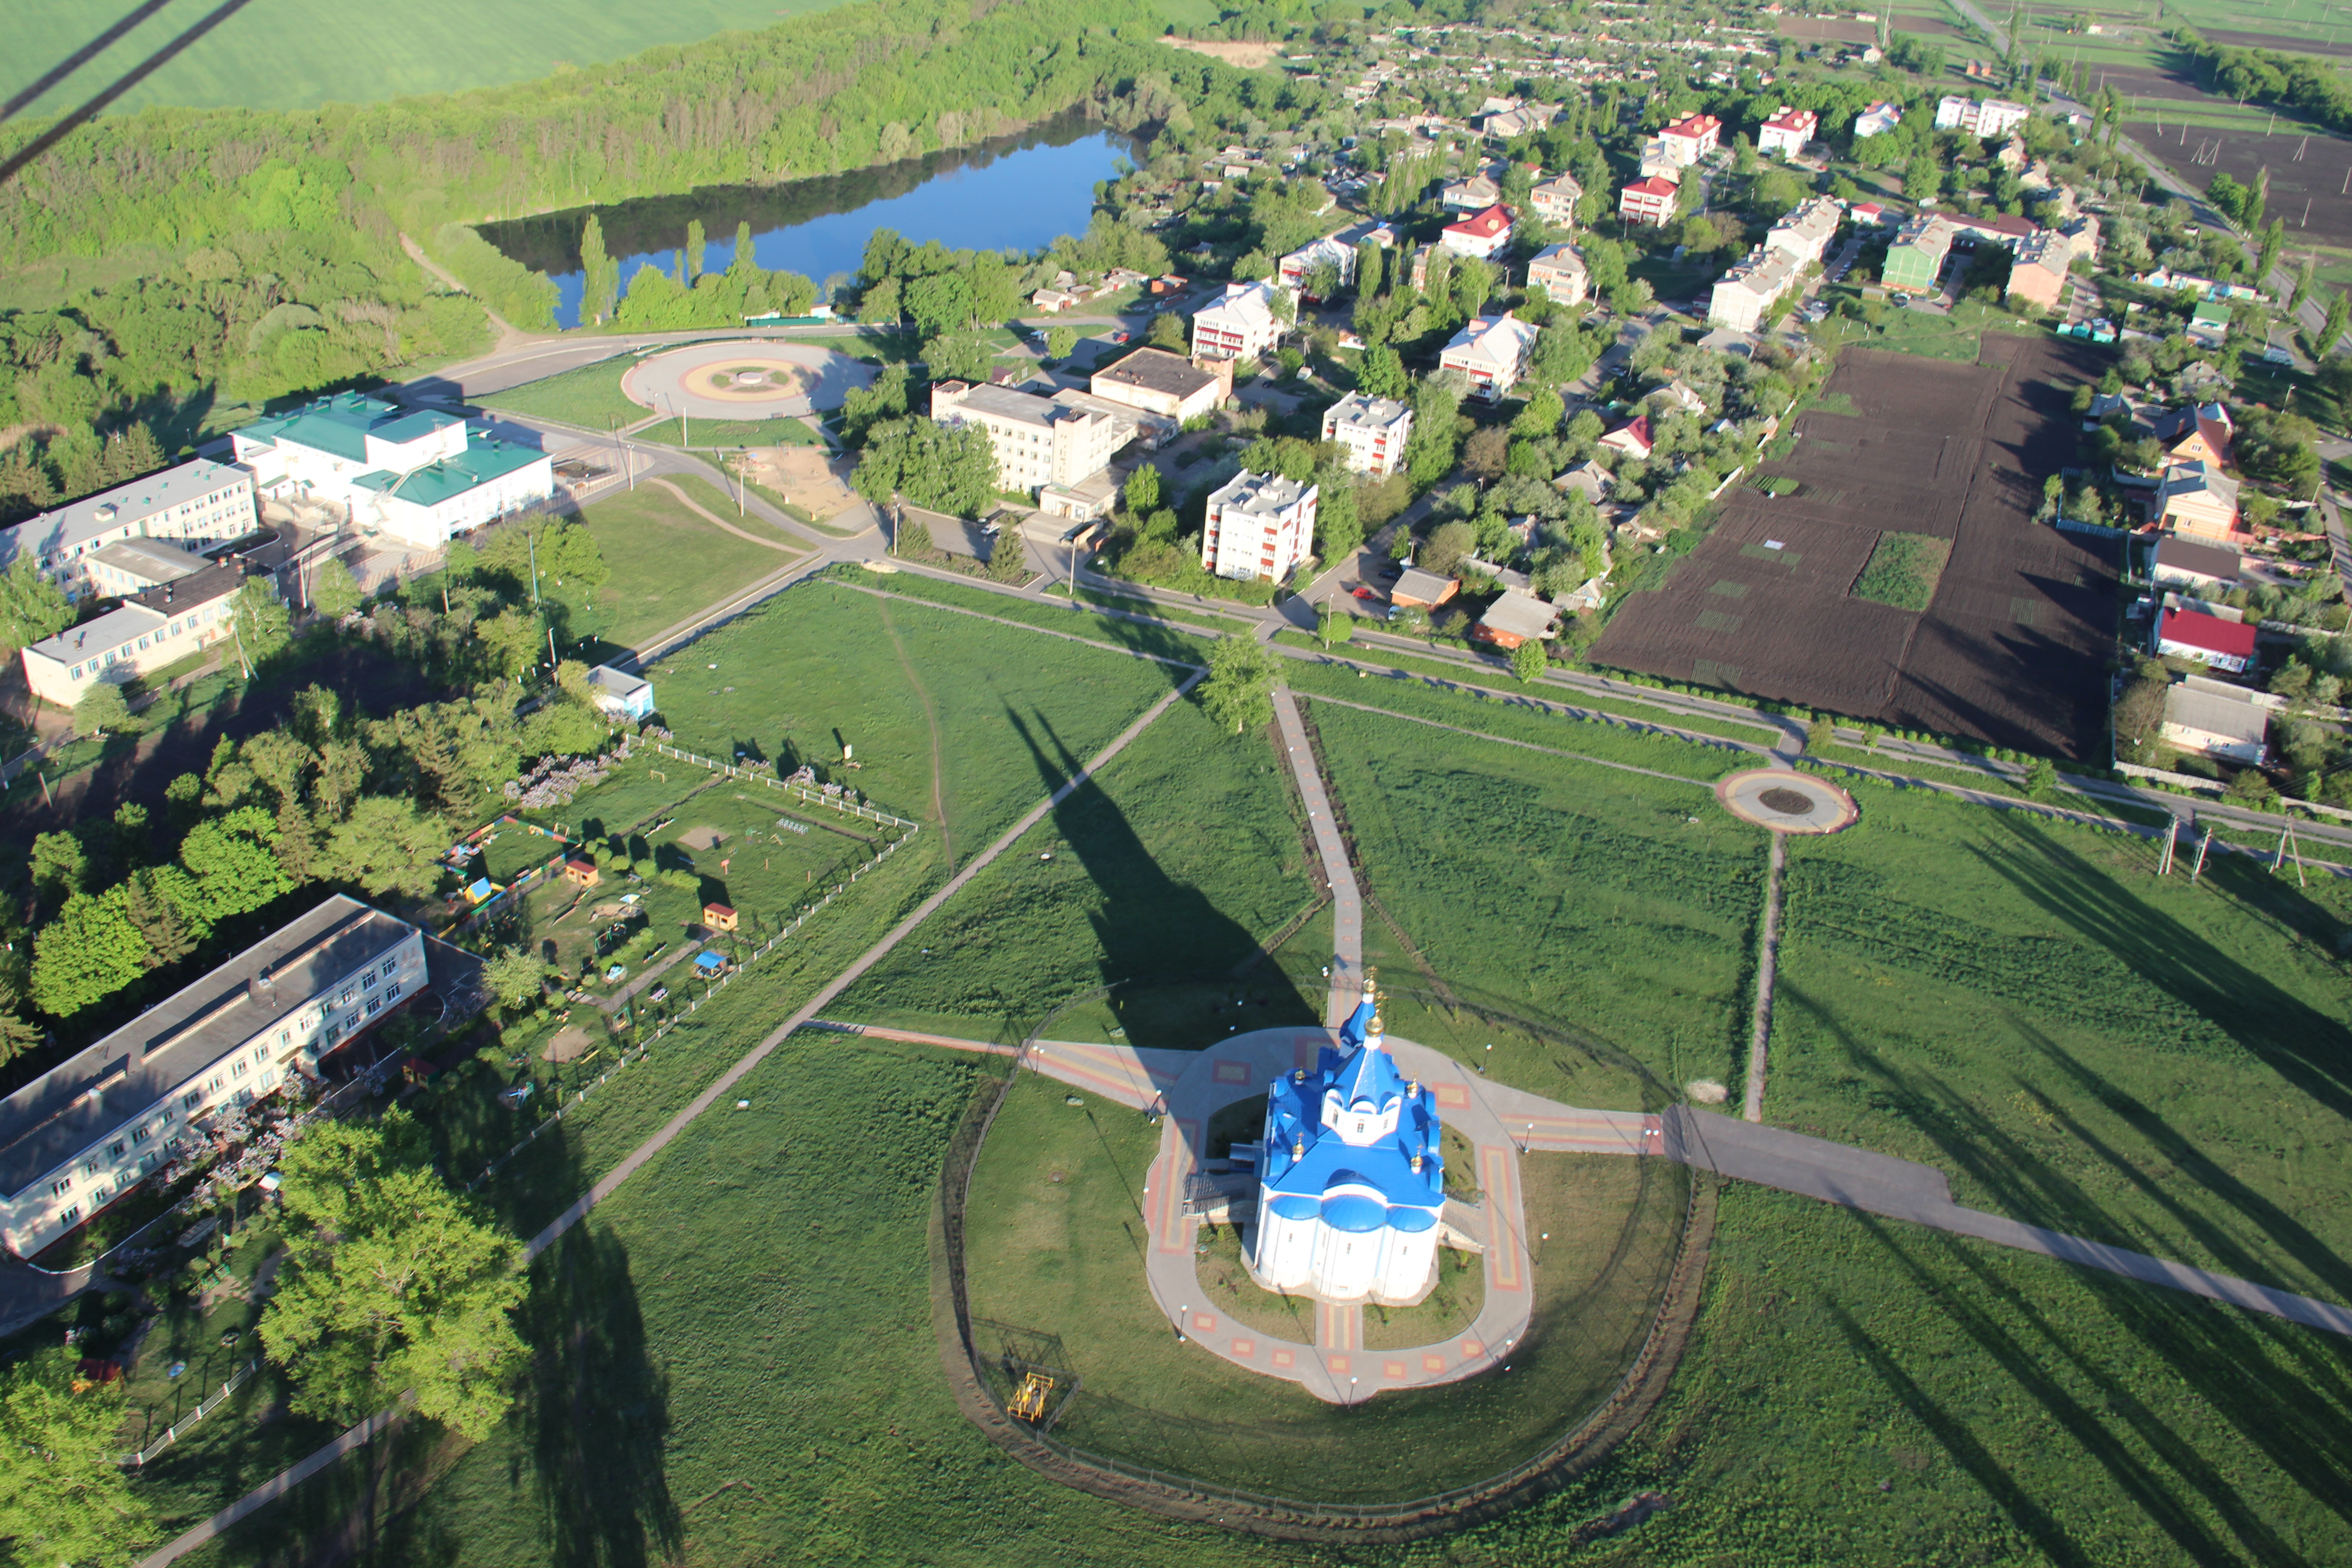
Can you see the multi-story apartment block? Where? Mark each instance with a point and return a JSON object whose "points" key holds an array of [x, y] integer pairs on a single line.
{"points": [[1240, 324], [150, 629], [1480, 235], [1491, 353], [1806, 231], [1555, 200], [1259, 525], [1559, 271], [1039, 441], [1979, 115], [1296, 270], [1691, 138], [80, 1136], [1743, 295], [1153, 381], [1916, 257], [1649, 199], [1877, 119], [2039, 272], [1371, 431], [196, 504], [1788, 132]]}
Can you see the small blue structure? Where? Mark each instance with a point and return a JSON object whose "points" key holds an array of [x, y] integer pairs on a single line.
{"points": [[709, 962], [1351, 1177], [619, 694]]}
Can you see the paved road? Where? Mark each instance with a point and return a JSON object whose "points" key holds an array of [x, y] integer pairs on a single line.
{"points": [[645, 1152]]}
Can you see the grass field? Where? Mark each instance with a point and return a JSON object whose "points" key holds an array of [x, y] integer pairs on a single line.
{"points": [[1903, 570], [2079, 1044], [715, 433], [1177, 861], [589, 396], [666, 563], [1048, 1268], [298, 54]]}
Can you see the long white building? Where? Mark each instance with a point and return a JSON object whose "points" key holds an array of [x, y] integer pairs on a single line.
{"points": [[1039, 441], [1240, 324], [1979, 115], [196, 504], [423, 477], [1259, 525], [80, 1136], [1804, 232], [1371, 431], [1743, 295], [149, 631], [1491, 353]]}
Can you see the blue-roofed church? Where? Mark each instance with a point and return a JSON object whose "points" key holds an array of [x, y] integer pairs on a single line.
{"points": [[1352, 1178]]}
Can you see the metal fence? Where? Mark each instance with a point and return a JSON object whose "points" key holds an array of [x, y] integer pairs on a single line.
{"points": [[206, 1406]]}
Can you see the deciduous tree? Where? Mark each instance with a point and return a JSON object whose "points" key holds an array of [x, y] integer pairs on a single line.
{"points": [[387, 845], [31, 607], [64, 1501], [101, 711], [335, 592], [1242, 671]]}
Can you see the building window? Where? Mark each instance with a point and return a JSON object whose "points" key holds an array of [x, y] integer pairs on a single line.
{"points": [[391, 992], [376, 1003], [332, 1033], [367, 980], [138, 1136], [285, 1038], [193, 1099], [270, 1077], [348, 992], [389, 965], [236, 1068], [114, 1150], [72, 1213], [74, 674], [61, 1186], [350, 1022]]}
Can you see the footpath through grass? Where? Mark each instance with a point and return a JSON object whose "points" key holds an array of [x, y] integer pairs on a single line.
{"points": [[666, 562]]}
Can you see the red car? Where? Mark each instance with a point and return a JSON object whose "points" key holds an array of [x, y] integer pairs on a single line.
{"points": [[1119, 337], [1363, 593]]}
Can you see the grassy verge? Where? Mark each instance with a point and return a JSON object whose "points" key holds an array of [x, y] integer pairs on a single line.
{"points": [[590, 396], [715, 435], [1163, 641], [666, 563]]}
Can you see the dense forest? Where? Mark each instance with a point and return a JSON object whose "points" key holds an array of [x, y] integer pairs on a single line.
{"points": [[159, 270]]}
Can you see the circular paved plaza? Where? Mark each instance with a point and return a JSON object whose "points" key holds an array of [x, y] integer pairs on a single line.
{"points": [[1787, 801], [752, 379]]}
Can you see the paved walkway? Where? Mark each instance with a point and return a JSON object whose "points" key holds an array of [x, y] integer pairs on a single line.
{"points": [[1768, 962], [1346, 901]]}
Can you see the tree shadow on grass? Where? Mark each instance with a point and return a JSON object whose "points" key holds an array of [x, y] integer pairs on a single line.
{"points": [[1149, 925]]}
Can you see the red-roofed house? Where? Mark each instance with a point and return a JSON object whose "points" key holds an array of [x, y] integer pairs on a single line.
{"points": [[1788, 130], [1691, 138], [1649, 201], [1480, 235], [2208, 639], [1869, 214], [1632, 438]]}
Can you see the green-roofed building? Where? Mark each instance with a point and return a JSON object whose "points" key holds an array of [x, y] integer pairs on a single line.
{"points": [[420, 475], [1917, 256]]}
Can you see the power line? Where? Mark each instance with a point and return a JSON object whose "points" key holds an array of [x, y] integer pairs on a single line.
{"points": [[130, 78], [80, 57]]}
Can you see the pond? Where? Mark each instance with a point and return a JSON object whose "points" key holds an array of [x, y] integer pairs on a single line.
{"points": [[1017, 194]]}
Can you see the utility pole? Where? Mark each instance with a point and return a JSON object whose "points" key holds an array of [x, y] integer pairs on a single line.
{"points": [[2171, 837], [2202, 845], [530, 542]]}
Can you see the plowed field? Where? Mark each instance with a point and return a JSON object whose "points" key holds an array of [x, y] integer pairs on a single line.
{"points": [[2012, 648]]}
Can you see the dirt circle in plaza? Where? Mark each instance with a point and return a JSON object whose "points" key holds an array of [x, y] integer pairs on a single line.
{"points": [[1787, 801], [754, 379]]}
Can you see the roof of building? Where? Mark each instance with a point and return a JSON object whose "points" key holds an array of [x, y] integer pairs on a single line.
{"points": [[486, 457], [1652, 185], [1358, 408], [1490, 224], [2193, 628], [1566, 185], [1155, 370], [2199, 479], [1927, 231], [1260, 494], [340, 425], [617, 682], [1518, 615], [1560, 257], [1797, 120], [2051, 251], [57, 1115], [153, 559], [1816, 219], [1501, 341], [1310, 1171], [1427, 587], [2179, 554], [139, 614], [2218, 709], [1635, 431], [79, 521], [1694, 126], [1252, 303]]}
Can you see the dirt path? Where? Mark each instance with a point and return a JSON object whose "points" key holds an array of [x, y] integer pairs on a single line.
{"points": [[1768, 959], [930, 717], [714, 519], [511, 336]]}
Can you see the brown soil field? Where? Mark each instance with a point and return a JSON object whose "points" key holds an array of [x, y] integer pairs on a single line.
{"points": [[2307, 192], [1242, 56], [2012, 651], [2279, 42], [1929, 26], [1842, 29]]}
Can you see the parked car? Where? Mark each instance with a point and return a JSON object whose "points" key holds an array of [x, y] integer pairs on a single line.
{"points": [[1119, 337], [1391, 572], [1361, 592]]}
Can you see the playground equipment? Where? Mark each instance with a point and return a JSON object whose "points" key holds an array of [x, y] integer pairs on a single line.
{"points": [[1029, 1399]]}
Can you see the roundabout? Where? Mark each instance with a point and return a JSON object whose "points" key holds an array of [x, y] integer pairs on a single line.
{"points": [[751, 379]]}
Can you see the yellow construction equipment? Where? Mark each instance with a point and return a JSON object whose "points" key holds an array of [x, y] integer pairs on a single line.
{"points": [[1029, 1399]]}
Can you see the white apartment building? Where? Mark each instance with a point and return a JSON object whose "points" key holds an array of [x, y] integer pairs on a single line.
{"points": [[1804, 233], [1555, 200], [153, 629], [80, 1136], [1155, 382], [1788, 132], [1480, 235], [1039, 441], [198, 504], [423, 478], [135, 565], [1877, 119], [1240, 324], [1371, 431], [1475, 193], [1259, 525], [1979, 115], [1744, 294], [1294, 270], [1559, 271], [1491, 353], [1691, 138]]}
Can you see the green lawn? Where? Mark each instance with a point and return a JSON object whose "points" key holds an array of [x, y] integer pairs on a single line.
{"points": [[710, 432], [298, 54], [589, 396], [1176, 862], [666, 563], [2081, 1045]]}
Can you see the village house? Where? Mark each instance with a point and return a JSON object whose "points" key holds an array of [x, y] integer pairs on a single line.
{"points": [[1491, 353], [1480, 235], [2216, 718], [1788, 132], [1691, 138], [1979, 115], [1650, 200], [1240, 324], [1514, 618], [1632, 439], [1559, 270], [2208, 639], [1473, 194], [1419, 590], [1555, 200], [1371, 432], [2196, 499], [1877, 119], [2204, 570]]}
